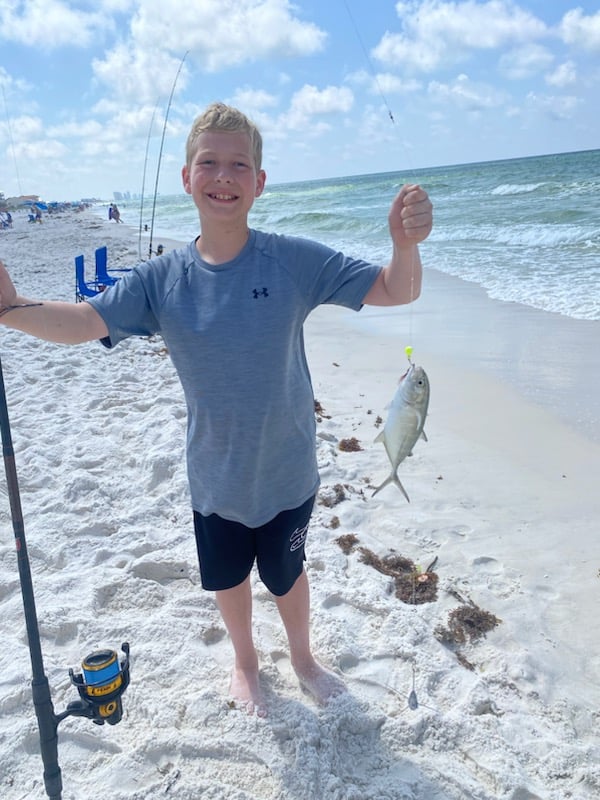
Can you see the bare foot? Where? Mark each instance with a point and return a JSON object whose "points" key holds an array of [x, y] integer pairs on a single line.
{"points": [[246, 693], [319, 682]]}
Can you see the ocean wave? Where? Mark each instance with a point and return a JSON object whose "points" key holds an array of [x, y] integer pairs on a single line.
{"points": [[545, 235], [560, 286], [517, 188]]}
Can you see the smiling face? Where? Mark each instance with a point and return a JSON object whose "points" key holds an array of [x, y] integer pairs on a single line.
{"points": [[222, 177]]}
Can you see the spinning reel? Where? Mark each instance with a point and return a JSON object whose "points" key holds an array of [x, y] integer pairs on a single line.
{"points": [[100, 684]]}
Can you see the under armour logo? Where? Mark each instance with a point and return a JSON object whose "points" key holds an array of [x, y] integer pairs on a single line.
{"points": [[298, 538], [258, 293]]}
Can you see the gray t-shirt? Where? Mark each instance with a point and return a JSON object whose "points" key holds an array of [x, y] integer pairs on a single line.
{"points": [[234, 334]]}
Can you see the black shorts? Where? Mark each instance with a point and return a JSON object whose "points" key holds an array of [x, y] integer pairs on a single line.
{"points": [[227, 550]]}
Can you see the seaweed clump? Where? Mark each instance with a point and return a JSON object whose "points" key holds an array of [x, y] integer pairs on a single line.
{"points": [[413, 585], [351, 445], [331, 497], [347, 542], [467, 623]]}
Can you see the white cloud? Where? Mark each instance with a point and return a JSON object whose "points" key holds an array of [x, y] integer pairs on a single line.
{"points": [[47, 150], [225, 33], [29, 127], [77, 130], [396, 50], [49, 24], [250, 99], [436, 33], [394, 84], [564, 75], [465, 94], [309, 102], [215, 34], [19, 88], [559, 107], [137, 74], [34, 142], [526, 61], [581, 31], [384, 82]]}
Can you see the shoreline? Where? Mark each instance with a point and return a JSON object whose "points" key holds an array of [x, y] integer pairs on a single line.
{"points": [[548, 358]]}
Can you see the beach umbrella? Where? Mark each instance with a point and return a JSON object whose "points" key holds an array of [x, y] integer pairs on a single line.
{"points": [[42, 701], [36, 203]]}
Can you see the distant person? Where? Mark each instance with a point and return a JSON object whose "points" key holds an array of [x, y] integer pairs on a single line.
{"points": [[231, 306], [110, 212], [116, 214], [38, 214]]}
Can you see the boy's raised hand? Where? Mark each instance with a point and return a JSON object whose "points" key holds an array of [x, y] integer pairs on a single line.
{"points": [[410, 218]]}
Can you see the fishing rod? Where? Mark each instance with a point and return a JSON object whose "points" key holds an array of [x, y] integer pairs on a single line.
{"points": [[103, 679], [144, 185], [162, 141]]}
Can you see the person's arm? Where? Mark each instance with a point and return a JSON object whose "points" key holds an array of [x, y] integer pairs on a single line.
{"points": [[410, 222], [55, 321]]}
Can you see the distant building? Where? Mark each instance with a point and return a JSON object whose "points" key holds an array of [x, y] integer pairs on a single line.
{"points": [[22, 200]]}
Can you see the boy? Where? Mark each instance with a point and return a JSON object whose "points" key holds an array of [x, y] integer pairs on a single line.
{"points": [[230, 308]]}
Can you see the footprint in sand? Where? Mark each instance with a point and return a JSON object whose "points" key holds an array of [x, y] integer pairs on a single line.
{"points": [[500, 580], [162, 572], [336, 602], [58, 631], [163, 469]]}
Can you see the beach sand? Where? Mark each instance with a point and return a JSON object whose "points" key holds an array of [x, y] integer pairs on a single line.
{"points": [[500, 645]]}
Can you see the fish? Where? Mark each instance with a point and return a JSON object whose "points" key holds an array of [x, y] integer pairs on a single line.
{"points": [[405, 422]]}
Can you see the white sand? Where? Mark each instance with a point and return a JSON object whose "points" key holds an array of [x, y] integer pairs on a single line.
{"points": [[504, 494]]}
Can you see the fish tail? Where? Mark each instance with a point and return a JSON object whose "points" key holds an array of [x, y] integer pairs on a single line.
{"points": [[393, 478]]}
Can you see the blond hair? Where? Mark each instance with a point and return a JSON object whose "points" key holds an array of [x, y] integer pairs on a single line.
{"points": [[220, 117]]}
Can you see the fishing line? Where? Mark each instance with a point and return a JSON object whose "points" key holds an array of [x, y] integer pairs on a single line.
{"points": [[162, 141], [369, 62], [408, 349], [413, 702]]}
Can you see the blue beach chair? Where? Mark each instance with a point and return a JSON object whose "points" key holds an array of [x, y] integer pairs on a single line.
{"points": [[103, 276], [82, 288]]}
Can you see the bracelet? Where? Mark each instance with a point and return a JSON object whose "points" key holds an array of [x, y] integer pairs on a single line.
{"points": [[4, 310]]}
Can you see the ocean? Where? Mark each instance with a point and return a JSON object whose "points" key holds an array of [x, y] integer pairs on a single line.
{"points": [[526, 230]]}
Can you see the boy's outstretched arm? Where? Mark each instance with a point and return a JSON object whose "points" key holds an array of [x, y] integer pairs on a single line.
{"points": [[65, 323], [410, 220]]}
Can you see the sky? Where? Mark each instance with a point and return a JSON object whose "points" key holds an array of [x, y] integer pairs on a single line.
{"points": [[337, 87]]}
